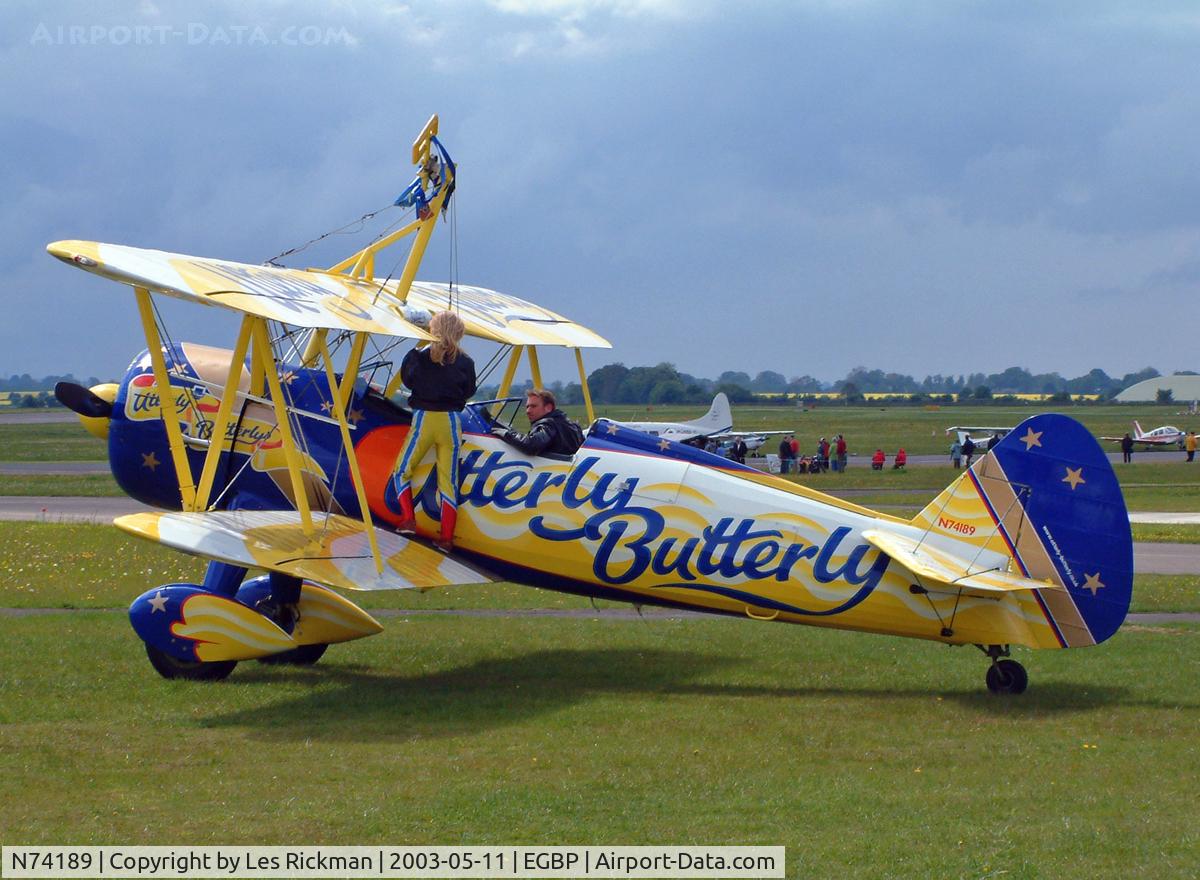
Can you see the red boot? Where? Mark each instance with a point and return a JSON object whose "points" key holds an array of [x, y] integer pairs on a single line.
{"points": [[408, 520], [445, 541]]}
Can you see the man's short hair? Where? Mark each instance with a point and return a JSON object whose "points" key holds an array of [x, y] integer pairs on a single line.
{"points": [[546, 397]]}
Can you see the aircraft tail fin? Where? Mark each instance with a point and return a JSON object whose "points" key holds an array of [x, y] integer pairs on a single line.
{"points": [[718, 419], [1137, 430], [1046, 496]]}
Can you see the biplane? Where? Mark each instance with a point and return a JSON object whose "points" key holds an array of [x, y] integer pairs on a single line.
{"points": [[277, 456]]}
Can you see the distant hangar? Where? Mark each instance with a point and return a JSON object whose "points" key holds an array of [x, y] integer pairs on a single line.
{"points": [[1183, 389]]}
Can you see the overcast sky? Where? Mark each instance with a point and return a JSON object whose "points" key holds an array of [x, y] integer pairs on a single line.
{"points": [[803, 187]]}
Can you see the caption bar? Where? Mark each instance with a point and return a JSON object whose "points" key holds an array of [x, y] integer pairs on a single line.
{"points": [[392, 861]]}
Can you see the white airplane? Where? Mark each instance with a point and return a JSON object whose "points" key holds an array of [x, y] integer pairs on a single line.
{"points": [[716, 424], [1166, 435], [981, 436]]}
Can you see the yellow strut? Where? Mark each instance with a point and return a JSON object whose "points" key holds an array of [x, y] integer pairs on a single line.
{"points": [[162, 383], [534, 369], [265, 356], [510, 371], [339, 410], [353, 362], [216, 439], [361, 264], [587, 394]]}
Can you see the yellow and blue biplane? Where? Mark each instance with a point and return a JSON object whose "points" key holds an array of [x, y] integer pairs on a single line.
{"points": [[277, 456]]}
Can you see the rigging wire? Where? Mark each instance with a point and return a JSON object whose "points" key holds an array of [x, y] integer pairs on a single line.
{"points": [[341, 230], [492, 364]]}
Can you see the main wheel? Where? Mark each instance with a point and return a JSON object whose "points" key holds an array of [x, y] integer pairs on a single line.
{"points": [[305, 655], [1007, 677], [193, 670]]}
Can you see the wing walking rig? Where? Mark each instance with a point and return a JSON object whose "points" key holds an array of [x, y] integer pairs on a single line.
{"points": [[276, 456]]}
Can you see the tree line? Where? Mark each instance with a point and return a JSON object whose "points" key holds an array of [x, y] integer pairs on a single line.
{"points": [[617, 383]]}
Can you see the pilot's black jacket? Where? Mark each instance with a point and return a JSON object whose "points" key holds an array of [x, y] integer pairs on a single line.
{"points": [[444, 387], [552, 433]]}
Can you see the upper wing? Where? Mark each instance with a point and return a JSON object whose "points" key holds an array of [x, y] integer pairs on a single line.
{"points": [[337, 555], [490, 314], [294, 296], [311, 298]]}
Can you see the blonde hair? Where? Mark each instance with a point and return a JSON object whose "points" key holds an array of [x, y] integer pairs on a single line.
{"points": [[448, 329]]}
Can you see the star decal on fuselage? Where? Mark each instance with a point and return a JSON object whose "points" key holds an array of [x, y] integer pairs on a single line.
{"points": [[611, 427], [158, 603], [664, 445], [1092, 582], [1074, 477], [1032, 438], [326, 407], [355, 416], [150, 460]]}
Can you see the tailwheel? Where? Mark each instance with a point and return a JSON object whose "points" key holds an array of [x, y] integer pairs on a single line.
{"points": [[1007, 677], [192, 670], [305, 655]]}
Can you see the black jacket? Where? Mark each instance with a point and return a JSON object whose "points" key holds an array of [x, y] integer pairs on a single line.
{"points": [[442, 387], [552, 433]]}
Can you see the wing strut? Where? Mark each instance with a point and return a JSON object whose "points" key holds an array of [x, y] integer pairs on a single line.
{"points": [[339, 407], [583, 383], [162, 384], [228, 395], [263, 353]]}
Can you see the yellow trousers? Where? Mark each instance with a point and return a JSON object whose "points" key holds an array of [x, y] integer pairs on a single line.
{"points": [[443, 431]]}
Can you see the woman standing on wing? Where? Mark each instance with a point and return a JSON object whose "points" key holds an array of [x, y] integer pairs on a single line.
{"points": [[441, 378]]}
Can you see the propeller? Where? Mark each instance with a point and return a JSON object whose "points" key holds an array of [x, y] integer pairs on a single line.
{"points": [[82, 400]]}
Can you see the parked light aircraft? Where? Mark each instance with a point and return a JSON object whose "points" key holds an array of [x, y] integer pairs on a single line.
{"points": [[980, 435], [269, 457], [716, 424], [1166, 435]]}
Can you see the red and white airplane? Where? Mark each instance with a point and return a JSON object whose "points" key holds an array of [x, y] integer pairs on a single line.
{"points": [[1167, 435]]}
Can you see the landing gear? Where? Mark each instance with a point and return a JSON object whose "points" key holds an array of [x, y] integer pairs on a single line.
{"points": [[1004, 676], [1007, 677], [192, 670]]}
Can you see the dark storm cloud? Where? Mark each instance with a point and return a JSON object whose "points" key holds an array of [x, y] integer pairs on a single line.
{"points": [[799, 187]]}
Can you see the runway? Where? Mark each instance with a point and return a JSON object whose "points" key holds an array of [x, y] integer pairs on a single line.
{"points": [[1148, 558]]}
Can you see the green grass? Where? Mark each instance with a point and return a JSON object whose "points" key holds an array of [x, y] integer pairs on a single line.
{"points": [[865, 756], [1169, 533], [53, 441], [89, 485], [1166, 593]]}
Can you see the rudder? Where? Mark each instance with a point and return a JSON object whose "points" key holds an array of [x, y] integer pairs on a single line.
{"points": [[1047, 496]]}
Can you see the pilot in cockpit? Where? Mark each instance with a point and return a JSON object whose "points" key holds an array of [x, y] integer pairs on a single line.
{"points": [[550, 431]]}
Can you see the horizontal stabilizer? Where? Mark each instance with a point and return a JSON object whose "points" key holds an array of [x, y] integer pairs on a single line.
{"points": [[935, 567], [337, 553]]}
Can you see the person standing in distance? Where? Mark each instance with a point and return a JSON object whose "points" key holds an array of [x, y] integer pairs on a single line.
{"points": [[441, 377]]}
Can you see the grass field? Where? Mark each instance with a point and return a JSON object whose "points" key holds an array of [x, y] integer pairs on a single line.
{"points": [[54, 441], [87, 485], [865, 756], [918, 430]]}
